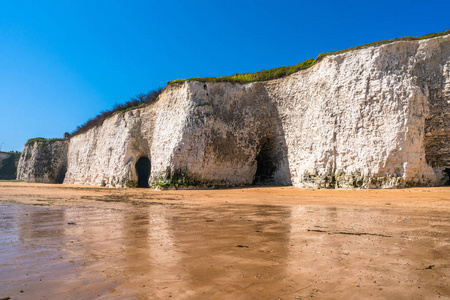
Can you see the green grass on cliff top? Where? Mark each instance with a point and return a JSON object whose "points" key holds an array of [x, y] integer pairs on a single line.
{"points": [[285, 71], [41, 139]]}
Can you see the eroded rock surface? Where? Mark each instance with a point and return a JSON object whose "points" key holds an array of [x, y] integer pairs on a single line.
{"points": [[376, 117], [43, 161]]}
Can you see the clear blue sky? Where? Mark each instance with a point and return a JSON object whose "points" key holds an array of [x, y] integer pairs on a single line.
{"points": [[62, 62]]}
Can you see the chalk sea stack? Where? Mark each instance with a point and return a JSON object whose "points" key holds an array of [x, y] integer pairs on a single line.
{"points": [[376, 117]]}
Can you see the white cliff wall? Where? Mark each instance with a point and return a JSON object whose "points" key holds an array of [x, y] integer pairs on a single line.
{"points": [[106, 155], [227, 126], [376, 117], [98, 157], [359, 118], [43, 161]]}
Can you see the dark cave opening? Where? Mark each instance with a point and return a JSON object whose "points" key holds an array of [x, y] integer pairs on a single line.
{"points": [[447, 175], [265, 163], [143, 172], [61, 175]]}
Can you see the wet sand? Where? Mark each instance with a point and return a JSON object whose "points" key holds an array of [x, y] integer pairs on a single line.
{"points": [[80, 242]]}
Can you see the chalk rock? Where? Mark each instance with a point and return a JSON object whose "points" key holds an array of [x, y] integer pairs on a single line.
{"points": [[375, 117], [43, 161]]}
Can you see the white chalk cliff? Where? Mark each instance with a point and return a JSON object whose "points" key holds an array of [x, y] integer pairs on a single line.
{"points": [[43, 161], [375, 117]]}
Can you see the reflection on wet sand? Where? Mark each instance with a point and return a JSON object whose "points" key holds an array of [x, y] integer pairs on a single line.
{"points": [[132, 245], [125, 251], [149, 252], [237, 250]]}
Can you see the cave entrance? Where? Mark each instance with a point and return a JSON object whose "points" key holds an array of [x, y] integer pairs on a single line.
{"points": [[61, 175], [447, 174], [265, 163], [143, 172]]}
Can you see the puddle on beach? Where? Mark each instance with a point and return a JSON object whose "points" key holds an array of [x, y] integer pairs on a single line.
{"points": [[125, 251]]}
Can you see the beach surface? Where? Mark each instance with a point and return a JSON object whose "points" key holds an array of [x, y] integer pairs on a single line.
{"points": [[82, 242]]}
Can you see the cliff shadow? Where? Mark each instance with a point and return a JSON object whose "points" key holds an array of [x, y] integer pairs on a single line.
{"points": [[61, 174], [272, 165]]}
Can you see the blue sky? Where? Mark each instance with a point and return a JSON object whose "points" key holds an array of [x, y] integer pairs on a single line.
{"points": [[62, 62]]}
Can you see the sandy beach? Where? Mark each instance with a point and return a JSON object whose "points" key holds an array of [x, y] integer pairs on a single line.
{"points": [[82, 242]]}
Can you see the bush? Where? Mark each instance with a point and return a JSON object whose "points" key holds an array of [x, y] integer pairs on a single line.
{"points": [[140, 100]]}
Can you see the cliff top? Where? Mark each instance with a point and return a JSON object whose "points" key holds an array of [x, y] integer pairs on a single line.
{"points": [[285, 71]]}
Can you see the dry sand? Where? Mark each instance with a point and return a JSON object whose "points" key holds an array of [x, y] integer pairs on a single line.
{"points": [[80, 242]]}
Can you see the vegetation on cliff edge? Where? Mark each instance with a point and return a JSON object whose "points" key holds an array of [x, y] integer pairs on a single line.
{"points": [[138, 101], [284, 71], [41, 139]]}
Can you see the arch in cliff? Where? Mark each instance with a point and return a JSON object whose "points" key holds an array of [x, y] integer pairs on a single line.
{"points": [[446, 177], [143, 168], [61, 174], [266, 162]]}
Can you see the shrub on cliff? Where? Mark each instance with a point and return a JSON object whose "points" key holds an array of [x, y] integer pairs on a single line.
{"points": [[139, 100]]}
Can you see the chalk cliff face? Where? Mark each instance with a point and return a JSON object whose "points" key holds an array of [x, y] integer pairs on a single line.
{"points": [[43, 161], [107, 155], [376, 117]]}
